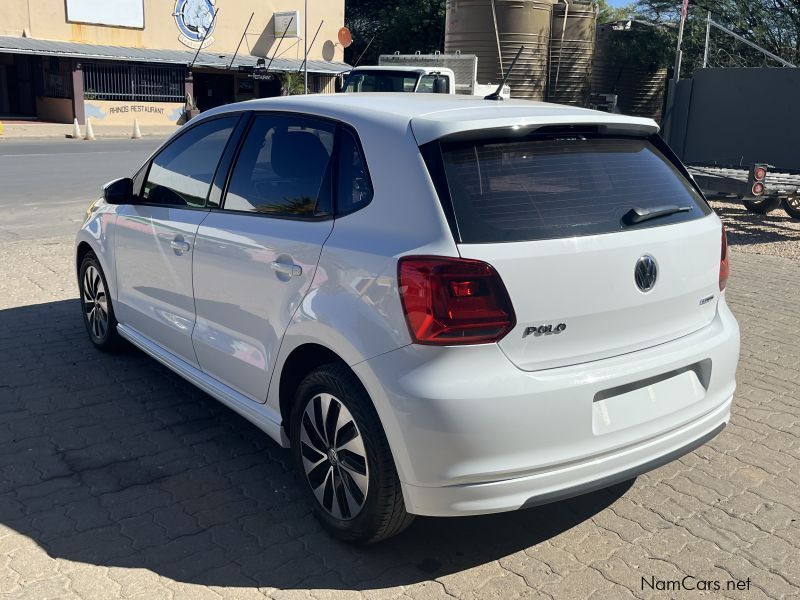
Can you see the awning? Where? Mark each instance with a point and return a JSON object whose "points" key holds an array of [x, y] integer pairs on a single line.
{"points": [[20, 45]]}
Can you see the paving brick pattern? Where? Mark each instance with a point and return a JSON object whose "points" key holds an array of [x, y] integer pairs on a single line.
{"points": [[119, 480]]}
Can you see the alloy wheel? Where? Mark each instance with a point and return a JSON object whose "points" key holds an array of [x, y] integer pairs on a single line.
{"points": [[95, 302], [334, 457]]}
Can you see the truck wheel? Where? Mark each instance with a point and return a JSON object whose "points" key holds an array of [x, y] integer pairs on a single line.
{"points": [[763, 206], [792, 206]]}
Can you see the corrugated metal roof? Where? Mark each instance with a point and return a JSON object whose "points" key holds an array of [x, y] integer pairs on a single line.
{"points": [[18, 45]]}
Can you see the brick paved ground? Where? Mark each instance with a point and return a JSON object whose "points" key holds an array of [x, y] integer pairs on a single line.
{"points": [[117, 479]]}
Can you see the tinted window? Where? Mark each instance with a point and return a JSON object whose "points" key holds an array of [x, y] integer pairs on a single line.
{"points": [[355, 188], [550, 188], [381, 81], [181, 174], [282, 168]]}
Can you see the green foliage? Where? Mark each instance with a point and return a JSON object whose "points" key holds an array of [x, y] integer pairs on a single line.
{"points": [[772, 24], [292, 83], [607, 13], [397, 25]]}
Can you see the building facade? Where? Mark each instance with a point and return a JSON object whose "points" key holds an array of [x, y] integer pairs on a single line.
{"points": [[156, 60]]}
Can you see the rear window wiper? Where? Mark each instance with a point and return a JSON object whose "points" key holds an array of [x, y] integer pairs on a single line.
{"points": [[638, 214]]}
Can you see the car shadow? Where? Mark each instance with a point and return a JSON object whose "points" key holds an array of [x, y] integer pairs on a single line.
{"points": [[113, 460], [745, 228]]}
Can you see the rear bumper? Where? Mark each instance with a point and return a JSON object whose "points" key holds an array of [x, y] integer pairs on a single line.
{"points": [[472, 434]]}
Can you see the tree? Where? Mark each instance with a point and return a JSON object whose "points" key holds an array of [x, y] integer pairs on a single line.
{"points": [[396, 25], [772, 24], [607, 13]]}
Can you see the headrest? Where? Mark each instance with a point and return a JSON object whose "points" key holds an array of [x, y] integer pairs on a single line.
{"points": [[297, 153]]}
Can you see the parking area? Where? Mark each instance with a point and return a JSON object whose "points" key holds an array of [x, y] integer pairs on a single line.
{"points": [[120, 480]]}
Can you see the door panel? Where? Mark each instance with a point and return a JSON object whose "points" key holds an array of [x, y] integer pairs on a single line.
{"points": [[154, 246], [255, 259], [155, 238], [246, 294]]}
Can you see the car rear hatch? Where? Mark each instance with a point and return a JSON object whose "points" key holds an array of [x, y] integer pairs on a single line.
{"points": [[603, 244]]}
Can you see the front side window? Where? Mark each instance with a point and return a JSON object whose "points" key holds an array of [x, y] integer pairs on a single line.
{"points": [[282, 169], [182, 172], [427, 84]]}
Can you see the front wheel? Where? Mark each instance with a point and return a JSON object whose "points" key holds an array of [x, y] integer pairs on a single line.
{"points": [[341, 454], [98, 313], [792, 206]]}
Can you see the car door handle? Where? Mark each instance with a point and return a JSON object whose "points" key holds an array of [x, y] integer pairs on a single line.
{"points": [[179, 246], [291, 270]]}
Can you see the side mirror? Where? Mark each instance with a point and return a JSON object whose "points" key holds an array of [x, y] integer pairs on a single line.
{"points": [[119, 191], [440, 86]]}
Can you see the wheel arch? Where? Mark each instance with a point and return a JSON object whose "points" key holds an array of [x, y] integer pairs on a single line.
{"points": [[301, 361]]}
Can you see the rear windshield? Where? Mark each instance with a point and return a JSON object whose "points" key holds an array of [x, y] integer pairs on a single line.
{"points": [[538, 189]]}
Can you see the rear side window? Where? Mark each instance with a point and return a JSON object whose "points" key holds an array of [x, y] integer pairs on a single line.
{"points": [[181, 174], [538, 189], [283, 168], [355, 187]]}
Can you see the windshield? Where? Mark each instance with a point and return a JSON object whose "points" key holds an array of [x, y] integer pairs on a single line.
{"points": [[381, 81]]}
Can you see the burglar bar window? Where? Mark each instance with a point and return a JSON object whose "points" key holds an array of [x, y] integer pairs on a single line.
{"points": [[127, 82], [57, 78]]}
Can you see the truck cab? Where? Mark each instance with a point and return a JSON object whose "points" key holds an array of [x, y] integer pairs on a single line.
{"points": [[400, 79]]}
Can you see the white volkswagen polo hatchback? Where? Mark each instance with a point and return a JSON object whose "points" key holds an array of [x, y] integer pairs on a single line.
{"points": [[444, 305]]}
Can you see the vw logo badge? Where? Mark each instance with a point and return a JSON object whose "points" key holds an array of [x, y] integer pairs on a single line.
{"points": [[645, 273]]}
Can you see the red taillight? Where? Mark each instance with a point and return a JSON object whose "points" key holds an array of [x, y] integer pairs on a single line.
{"points": [[724, 264], [449, 301]]}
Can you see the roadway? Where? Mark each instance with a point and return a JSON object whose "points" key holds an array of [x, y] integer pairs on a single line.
{"points": [[46, 185]]}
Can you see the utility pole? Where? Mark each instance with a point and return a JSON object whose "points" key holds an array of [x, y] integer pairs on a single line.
{"points": [[305, 43], [708, 38]]}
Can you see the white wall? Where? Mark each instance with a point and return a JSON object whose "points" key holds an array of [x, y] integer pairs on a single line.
{"points": [[122, 13]]}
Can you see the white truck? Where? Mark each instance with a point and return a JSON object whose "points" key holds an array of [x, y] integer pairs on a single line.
{"points": [[421, 73]]}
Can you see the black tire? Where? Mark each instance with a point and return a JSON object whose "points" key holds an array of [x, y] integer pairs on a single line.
{"points": [[96, 307], [382, 511], [792, 206], [762, 207]]}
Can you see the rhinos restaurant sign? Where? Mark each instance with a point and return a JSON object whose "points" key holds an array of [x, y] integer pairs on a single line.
{"points": [[195, 22]]}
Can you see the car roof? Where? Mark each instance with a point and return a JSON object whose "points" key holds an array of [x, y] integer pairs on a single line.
{"points": [[433, 116]]}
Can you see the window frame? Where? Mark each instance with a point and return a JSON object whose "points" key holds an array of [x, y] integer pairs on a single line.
{"points": [[184, 131], [331, 176]]}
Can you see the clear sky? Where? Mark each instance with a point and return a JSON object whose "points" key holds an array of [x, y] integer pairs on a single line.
{"points": [[619, 2]]}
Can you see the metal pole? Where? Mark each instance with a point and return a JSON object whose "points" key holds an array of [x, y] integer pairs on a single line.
{"points": [[280, 41], [314, 39], [708, 37], [203, 41], [785, 63], [679, 53], [305, 43], [241, 39], [358, 60], [497, 39]]}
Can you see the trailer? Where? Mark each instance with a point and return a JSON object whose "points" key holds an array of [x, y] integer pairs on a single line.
{"points": [[760, 189]]}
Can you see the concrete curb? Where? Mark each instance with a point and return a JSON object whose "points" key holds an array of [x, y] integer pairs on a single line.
{"points": [[39, 132]]}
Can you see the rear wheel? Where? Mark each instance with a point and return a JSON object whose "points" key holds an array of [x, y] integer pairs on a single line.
{"points": [[763, 206], [792, 206], [341, 453], [98, 313]]}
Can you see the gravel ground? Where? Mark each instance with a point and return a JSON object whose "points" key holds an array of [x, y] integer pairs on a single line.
{"points": [[775, 234]]}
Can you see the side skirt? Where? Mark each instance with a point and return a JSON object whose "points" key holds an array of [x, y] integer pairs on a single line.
{"points": [[260, 415]]}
